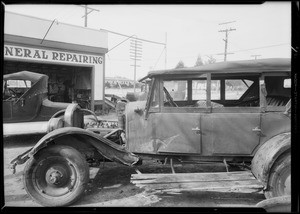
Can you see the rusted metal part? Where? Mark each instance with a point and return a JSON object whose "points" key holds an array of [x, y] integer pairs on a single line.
{"points": [[267, 154], [22, 158], [105, 147]]}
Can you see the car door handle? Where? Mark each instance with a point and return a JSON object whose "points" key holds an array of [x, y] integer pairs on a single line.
{"points": [[257, 130], [196, 130]]}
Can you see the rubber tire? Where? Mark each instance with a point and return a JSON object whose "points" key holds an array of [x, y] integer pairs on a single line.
{"points": [[277, 204], [282, 165], [57, 151]]}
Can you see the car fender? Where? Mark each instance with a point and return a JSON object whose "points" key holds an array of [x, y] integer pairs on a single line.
{"points": [[105, 147], [267, 154]]}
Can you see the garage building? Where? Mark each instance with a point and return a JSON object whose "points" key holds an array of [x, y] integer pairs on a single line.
{"points": [[72, 56]]}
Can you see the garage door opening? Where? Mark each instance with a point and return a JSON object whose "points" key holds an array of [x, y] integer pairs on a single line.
{"points": [[66, 83]]}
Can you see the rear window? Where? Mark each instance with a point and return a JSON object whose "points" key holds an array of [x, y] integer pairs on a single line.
{"points": [[18, 84], [287, 83]]}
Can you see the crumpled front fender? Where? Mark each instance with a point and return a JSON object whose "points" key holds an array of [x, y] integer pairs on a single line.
{"points": [[105, 147]]}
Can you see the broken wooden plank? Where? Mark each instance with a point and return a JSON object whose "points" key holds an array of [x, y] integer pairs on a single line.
{"points": [[242, 182], [186, 177], [202, 185]]}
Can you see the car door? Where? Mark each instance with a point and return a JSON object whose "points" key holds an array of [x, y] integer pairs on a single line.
{"points": [[233, 129], [177, 129], [177, 132], [230, 133]]}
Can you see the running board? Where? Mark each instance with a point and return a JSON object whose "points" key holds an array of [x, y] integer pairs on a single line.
{"points": [[240, 182]]}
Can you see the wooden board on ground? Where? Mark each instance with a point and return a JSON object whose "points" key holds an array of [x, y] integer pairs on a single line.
{"points": [[241, 182]]}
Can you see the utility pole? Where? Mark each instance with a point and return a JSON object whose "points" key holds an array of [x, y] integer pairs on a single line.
{"points": [[136, 55], [86, 12], [255, 56], [226, 38], [166, 50]]}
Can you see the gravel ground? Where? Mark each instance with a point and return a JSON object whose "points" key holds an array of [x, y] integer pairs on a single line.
{"points": [[110, 185]]}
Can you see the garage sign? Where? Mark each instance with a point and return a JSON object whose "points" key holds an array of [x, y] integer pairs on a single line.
{"points": [[50, 55]]}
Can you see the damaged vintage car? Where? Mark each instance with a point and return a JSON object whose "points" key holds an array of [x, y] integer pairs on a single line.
{"points": [[237, 113]]}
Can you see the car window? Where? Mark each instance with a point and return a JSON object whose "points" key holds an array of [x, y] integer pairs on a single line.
{"points": [[18, 84], [287, 83], [13, 89], [155, 99], [235, 88], [199, 90], [177, 89]]}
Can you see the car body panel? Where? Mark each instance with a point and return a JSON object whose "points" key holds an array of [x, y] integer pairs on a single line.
{"points": [[220, 135]]}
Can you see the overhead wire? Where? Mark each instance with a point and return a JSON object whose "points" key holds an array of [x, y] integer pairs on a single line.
{"points": [[212, 54], [159, 56]]}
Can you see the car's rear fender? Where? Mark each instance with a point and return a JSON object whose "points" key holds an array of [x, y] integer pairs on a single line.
{"points": [[267, 154], [105, 147]]}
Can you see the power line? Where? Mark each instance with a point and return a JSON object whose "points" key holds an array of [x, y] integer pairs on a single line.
{"points": [[224, 23], [269, 46], [121, 43], [120, 34], [212, 54], [159, 57]]}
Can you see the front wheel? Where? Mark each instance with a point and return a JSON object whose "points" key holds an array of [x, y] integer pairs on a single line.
{"points": [[280, 177], [56, 176]]}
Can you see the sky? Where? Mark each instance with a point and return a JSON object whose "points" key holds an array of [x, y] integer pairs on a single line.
{"points": [[188, 31]]}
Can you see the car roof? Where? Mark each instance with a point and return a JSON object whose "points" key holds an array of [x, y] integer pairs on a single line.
{"points": [[25, 75], [242, 66]]}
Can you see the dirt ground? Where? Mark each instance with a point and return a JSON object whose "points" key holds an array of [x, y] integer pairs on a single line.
{"points": [[110, 185]]}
